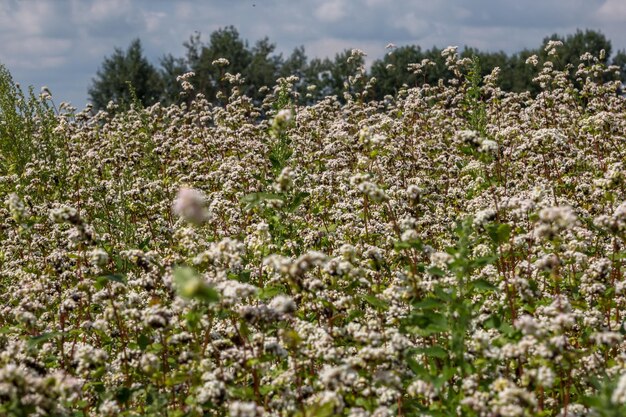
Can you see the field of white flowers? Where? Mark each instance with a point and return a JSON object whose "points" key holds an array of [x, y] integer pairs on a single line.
{"points": [[451, 251]]}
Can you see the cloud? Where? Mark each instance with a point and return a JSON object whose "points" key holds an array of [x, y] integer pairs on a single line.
{"points": [[524, 14], [416, 27], [613, 11], [331, 11], [34, 18]]}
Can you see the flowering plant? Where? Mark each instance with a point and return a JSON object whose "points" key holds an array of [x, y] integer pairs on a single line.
{"points": [[453, 250]]}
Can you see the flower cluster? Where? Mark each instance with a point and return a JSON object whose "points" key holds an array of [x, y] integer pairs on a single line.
{"points": [[350, 258]]}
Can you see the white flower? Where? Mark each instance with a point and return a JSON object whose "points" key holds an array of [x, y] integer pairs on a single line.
{"points": [[221, 62], [244, 409], [190, 205], [283, 304], [619, 394], [99, 257], [545, 377]]}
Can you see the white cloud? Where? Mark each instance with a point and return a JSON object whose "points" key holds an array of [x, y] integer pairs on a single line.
{"points": [[155, 21], [183, 10], [415, 25], [35, 47], [613, 10], [331, 11], [104, 10], [33, 18]]}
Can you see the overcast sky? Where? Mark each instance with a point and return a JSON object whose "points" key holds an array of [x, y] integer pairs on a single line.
{"points": [[61, 43]]}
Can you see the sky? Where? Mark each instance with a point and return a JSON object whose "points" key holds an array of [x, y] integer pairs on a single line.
{"points": [[62, 43]]}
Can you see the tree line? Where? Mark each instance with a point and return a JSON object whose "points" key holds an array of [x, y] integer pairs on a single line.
{"points": [[127, 75]]}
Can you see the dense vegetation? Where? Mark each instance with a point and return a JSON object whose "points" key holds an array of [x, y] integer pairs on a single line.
{"points": [[453, 249], [259, 67]]}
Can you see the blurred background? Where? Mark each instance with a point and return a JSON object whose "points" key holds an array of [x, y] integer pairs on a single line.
{"points": [[86, 50]]}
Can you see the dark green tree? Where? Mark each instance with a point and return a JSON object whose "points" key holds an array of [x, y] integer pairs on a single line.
{"points": [[295, 64], [200, 58], [224, 53], [121, 74], [262, 70], [333, 75], [517, 75], [392, 72], [317, 75], [260, 66], [576, 44], [171, 68]]}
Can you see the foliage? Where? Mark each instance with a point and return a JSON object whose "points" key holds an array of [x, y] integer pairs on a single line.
{"points": [[27, 128], [124, 75], [259, 68], [453, 249]]}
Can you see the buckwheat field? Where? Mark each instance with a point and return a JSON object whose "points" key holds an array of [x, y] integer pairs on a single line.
{"points": [[453, 250]]}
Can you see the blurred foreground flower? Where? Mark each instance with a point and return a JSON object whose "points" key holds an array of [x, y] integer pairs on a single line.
{"points": [[190, 204]]}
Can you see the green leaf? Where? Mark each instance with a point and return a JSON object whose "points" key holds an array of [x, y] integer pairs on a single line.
{"points": [[410, 244], [417, 368], [507, 329], [354, 315], [376, 302], [434, 352], [97, 386], [499, 233], [319, 410], [445, 294], [427, 323], [143, 341], [493, 322], [483, 285], [271, 291], [484, 260], [400, 245], [244, 276], [123, 394], [103, 280], [438, 272], [5, 330], [145, 243], [254, 199], [193, 319], [296, 202], [428, 303], [190, 285], [42, 338]]}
